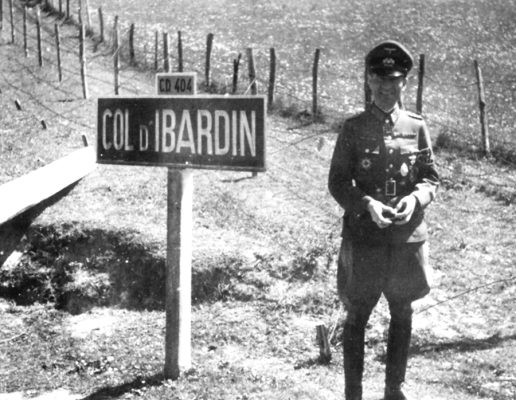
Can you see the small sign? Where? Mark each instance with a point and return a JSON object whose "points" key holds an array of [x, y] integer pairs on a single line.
{"points": [[215, 132], [179, 83]]}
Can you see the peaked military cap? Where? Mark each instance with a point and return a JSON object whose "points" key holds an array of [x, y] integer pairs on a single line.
{"points": [[389, 58]]}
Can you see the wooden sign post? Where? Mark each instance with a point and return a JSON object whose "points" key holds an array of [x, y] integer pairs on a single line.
{"points": [[178, 302], [181, 132], [178, 272]]}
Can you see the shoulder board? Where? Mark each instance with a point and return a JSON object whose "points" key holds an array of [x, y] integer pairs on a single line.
{"points": [[356, 116], [414, 115]]}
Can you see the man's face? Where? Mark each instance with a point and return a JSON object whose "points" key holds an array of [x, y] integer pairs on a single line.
{"points": [[386, 90]]}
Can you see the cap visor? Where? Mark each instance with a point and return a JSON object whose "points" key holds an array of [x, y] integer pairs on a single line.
{"points": [[387, 72]]}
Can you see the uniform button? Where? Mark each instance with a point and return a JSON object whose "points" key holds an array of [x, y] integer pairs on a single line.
{"points": [[378, 190], [391, 151], [390, 165], [386, 169], [366, 150]]}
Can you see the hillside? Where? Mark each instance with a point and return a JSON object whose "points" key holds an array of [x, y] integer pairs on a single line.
{"points": [[82, 304]]}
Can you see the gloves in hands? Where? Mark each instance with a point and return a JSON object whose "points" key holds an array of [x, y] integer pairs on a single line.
{"points": [[384, 216]]}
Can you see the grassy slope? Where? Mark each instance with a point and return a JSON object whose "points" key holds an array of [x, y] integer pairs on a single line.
{"points": [[451, 33], [263, 277]]}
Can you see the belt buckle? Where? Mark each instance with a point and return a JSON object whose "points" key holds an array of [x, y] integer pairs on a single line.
{"points": [[390, 187]]}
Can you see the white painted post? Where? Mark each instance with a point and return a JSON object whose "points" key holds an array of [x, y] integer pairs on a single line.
{"points": [[178, 286], [179, 273]]}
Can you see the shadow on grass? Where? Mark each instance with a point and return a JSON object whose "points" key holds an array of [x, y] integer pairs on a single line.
{"points": [[11, 232], [462, 345], [120, 390], [77, 269]]}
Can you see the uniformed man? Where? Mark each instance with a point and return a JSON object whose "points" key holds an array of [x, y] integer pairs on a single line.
{"points": [[382, 173]]}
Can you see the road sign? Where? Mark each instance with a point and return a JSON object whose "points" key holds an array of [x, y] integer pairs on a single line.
{"points": [[177, 83], [216, 132], [181, 132]]}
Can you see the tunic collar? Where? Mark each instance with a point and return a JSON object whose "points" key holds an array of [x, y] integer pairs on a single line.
{"points": [[382, 116]]}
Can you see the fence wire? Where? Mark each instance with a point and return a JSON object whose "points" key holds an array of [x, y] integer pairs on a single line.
{"points": [[446, 116]]}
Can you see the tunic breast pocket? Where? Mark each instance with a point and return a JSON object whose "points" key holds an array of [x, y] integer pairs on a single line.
{"points": [[409, 154], [408, 158]]}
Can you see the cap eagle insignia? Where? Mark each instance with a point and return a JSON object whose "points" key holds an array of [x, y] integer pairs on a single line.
{"points": [[388, 62]]}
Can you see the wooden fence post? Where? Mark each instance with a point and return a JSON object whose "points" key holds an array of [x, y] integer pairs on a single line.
{"points": [[58, 50], [486, 148], [179, 52], [25, 49], [132, 58], [166, 54], [11, 15], [88, 17], [38, 29], [252, 72], [272, 78], [67, 9], [79, 13], [60, 7], [324, 345], [116, 59], [115, 33], [209, 45], [101, 24], [252, 80], [145, 53], [156, 50], [236, 64], [83, 63], [315, 72], [1, 15], [420, 77]]}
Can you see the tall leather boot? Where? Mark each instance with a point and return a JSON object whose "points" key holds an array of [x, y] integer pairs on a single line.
{"points": [[353, 344], [397, 356]]}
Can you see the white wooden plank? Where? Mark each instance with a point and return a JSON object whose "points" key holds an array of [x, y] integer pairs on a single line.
{"points": [[20, 194]]}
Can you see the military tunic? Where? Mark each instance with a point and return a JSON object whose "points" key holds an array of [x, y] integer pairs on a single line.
{"points": [[384, 157]]}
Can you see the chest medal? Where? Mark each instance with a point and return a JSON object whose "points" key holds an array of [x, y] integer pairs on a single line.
{"points": [[365, 163]]}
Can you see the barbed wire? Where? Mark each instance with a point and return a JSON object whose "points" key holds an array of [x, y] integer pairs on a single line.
{"points": [[127, 82], [30, 97], [463, 293], [29, 35], [286, 177]]}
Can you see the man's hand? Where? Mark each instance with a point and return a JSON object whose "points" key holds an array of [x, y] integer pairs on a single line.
{"points": [[404, 209], [380, 213]]}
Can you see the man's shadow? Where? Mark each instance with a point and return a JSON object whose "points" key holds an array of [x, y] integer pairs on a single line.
{"points": [[119, 390], [461, 345]]}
